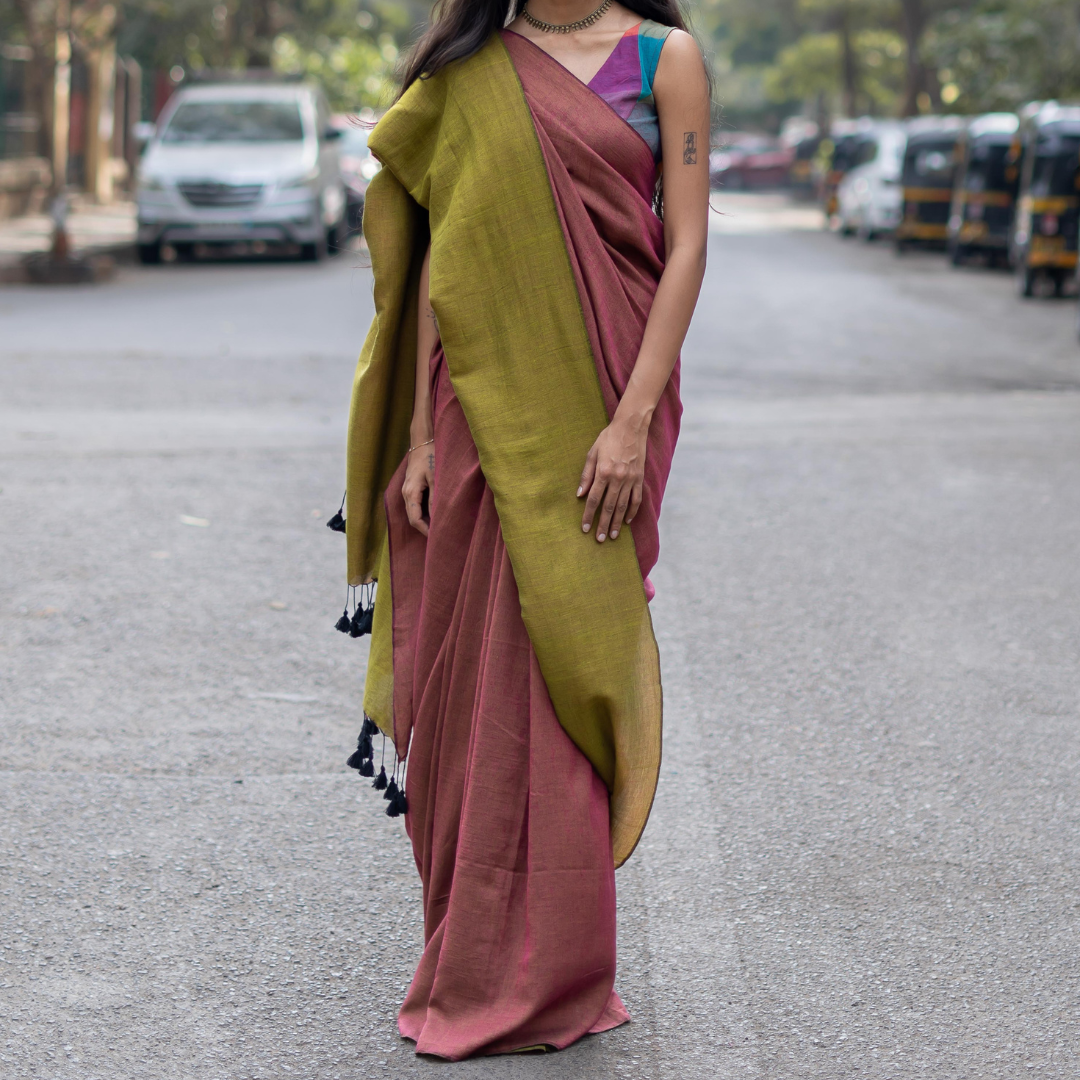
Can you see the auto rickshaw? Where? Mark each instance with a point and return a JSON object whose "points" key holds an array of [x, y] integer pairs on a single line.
{"points": [[1044, 238], [801, 175], [984, 196], [838, 154], [927, 178]]}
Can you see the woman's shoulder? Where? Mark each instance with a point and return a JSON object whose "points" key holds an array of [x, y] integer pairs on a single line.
{"points": [[680, 52]]}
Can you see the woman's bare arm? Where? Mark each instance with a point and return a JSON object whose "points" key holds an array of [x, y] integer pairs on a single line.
{"points": [[421, 466], [615, 467]]}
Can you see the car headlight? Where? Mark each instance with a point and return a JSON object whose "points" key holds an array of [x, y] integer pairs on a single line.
{"points": [[303, 179], [150, 183]]}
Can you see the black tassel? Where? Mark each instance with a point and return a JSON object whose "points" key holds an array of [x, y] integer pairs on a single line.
{"points": [[363, 753], [367, 619], [390, 794], [370, 728], [367, 767], [392, 809], [401, 802], [337, 522], [343, 624], [354, 626], [380, 780]]}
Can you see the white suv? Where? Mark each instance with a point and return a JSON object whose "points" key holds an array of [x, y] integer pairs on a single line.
{"points": [[870, 196], [236, 162]]}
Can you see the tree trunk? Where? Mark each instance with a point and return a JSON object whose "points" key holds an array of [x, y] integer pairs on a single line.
{"points": [[261, 35], [913, 25], [849, 68]]}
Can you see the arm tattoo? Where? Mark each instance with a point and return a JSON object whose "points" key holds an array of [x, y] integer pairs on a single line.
{"points": [[689, 150]]}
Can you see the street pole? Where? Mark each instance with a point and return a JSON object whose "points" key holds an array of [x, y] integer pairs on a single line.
{"points": [[61, 125]]}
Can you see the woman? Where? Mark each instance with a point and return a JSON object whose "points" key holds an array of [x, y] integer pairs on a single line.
{"points": [[514, 414]]}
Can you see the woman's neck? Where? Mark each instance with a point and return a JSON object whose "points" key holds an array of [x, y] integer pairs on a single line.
{"points": [[560, 12]]}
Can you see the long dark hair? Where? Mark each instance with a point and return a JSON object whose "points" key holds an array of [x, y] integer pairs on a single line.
{"points": [[459, 28]]}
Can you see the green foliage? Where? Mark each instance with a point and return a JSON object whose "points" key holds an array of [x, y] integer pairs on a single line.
{"points": [[350, 46], [811, 70], [355, 73], [999, 54]]}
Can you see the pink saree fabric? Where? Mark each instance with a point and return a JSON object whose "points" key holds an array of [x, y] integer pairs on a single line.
{"points": [[508, 820]]}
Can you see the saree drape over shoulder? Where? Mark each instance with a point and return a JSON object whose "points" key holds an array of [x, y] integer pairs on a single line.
{"points": [[512, 656]]}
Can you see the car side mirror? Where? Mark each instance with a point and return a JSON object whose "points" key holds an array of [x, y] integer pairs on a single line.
{"points": [[332, 134], [143, 131]]}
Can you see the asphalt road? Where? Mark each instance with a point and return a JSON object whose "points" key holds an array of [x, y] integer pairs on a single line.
{"points": [[862, 860]]}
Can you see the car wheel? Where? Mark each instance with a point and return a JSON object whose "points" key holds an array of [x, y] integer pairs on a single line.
{"points": [[314, 252], [334, 240], [150, 254]]}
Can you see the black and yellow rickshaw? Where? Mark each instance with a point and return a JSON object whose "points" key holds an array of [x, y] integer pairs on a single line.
{"points": [[801, 175], [838, 155], [984, 197], [927, 178], [1044, 235]]}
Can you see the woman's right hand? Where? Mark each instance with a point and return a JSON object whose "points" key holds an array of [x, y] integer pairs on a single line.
{"points": [[416, 490]]}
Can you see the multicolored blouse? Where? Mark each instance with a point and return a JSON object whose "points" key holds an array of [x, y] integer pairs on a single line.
{"points": [[626, 78]]}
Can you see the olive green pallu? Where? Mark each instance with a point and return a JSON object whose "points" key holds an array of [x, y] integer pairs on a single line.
{"points": [[463, 168]]}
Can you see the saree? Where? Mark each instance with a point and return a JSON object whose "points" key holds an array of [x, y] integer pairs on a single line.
{"points": [[512, 659]]}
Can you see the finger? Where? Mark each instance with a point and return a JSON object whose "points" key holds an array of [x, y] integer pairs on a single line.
{"points": [[414, 509], [587, 473], [607, 510], [635, 503], [622, 502], [592, 503]]}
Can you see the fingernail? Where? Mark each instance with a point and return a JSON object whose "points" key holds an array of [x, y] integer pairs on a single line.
{"points": [[579, 491], [614, 533], [585, 528], [601, 537]]}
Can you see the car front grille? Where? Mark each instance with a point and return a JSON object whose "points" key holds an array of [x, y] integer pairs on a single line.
{"points": [[211, 194]]}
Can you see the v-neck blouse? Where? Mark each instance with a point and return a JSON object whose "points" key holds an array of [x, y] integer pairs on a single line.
{"points": [[625, 79]]}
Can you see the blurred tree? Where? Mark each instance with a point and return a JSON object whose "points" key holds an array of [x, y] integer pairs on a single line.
{"points": [[864, 76], [348, 45], [998, 54]]}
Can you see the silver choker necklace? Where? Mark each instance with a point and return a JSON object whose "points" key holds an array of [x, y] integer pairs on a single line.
{"points": [[565, 28]]}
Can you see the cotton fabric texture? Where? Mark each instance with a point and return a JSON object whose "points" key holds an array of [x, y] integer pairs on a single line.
{"points": [[513, 653]]}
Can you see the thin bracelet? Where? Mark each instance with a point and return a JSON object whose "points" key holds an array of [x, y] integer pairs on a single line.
{"points": [[419, 444]]}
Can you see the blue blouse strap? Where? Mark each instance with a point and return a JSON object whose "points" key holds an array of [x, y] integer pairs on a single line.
{"points": [[651, 37]]}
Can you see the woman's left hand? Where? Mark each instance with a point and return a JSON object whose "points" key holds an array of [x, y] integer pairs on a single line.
{"points": [[613, 477]]}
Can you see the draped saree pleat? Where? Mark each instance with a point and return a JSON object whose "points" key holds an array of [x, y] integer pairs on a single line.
{"points": [[509, 820]]}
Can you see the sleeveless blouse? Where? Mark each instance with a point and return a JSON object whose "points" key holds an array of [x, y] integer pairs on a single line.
{"points": [[625, 80]]}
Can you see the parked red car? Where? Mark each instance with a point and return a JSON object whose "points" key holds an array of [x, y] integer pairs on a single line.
{"points": [[747, 161]]}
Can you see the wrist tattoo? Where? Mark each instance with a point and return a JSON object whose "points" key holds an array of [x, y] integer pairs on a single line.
{"points": [[689, 152]]}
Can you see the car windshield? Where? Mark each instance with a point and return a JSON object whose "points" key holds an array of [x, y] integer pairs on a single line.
{"points": [[354, 141], [1055, 168], [235, 121], [930, 164], [990, 169]]}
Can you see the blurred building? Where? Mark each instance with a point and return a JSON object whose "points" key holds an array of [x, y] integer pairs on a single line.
{"points": [[67, 123]]}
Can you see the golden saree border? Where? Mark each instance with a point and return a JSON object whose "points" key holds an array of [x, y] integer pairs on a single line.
{"points": [[462, 150]]}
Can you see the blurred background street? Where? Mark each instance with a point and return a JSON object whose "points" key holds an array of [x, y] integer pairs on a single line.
{"points": [[862, 860], [863, 857]]}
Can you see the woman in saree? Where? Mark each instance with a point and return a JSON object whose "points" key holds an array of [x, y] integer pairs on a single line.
{"points": [[514, 415]]}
